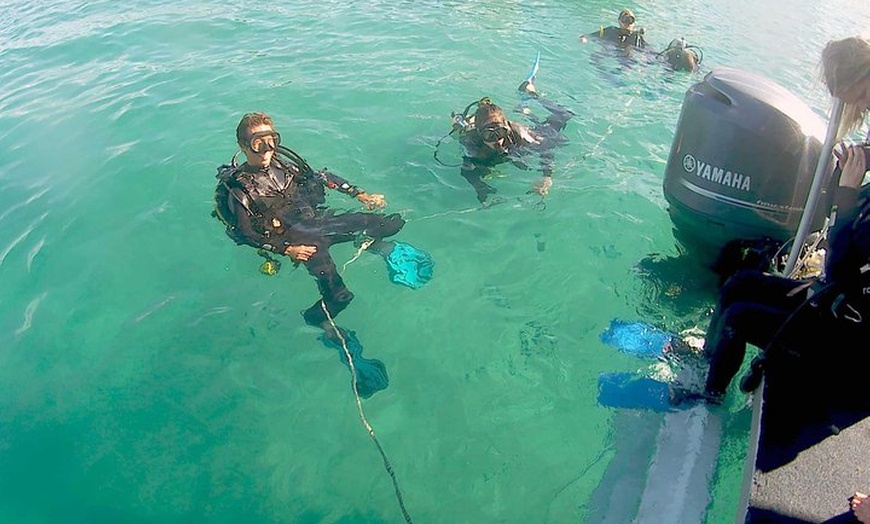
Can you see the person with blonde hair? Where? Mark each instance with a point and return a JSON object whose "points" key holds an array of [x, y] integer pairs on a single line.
{"points": [[625, 35], [846, 73], [761, 308]]}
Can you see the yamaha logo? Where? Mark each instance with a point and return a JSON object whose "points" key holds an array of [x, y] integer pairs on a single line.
{"points": [[716, 174], [689, 163]]}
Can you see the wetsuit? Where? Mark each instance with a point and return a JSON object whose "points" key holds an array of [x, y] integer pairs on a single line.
{"points": [[621, 37], [757, 308], [542, 139], [283, 205]]}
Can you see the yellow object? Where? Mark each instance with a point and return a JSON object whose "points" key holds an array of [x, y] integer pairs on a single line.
{"points": [[270, 267]]}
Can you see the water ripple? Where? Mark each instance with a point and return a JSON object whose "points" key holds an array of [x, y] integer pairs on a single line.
{"points": [[21, 237], [29, 311]]}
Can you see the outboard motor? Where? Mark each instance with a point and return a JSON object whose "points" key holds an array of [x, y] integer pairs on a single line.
{"points": [[741, 163]]}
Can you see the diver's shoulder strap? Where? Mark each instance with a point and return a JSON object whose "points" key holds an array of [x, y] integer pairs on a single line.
{"points": [[227, 171], [229, 185]]}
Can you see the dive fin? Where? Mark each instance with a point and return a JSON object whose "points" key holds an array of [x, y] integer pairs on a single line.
{"points": [[639, 338], [371, 374], [409, 266], [531, 77], [527, 86], [630, 391]]}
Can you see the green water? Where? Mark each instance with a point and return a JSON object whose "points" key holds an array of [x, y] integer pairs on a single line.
{"points": [[150, 374]]}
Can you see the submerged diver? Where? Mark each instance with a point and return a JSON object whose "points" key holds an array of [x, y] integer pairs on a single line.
{"points": [[759, 308], [275, 202], [681, 56], [625, 36], [489, 139]]}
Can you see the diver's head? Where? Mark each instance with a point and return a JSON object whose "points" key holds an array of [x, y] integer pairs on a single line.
{"points": [[681, 57], [626, 19], [492, 125], [257, 138], [846, 72]]}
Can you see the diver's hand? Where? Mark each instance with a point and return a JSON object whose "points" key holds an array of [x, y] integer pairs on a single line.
{"points": [[852, 162], [300, 253], [542, 185], [373, 201]]}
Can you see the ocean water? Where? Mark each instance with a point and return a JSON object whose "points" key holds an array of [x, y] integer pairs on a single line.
{"points": [[150, 374]]}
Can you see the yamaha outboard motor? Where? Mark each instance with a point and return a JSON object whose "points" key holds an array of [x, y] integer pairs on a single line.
{"points": [[742, 162]]}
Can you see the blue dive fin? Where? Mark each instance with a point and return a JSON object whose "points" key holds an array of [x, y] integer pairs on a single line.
{"points": [[409, 266], [630, 391], [638, 338], [371, 374], [531, 77]]}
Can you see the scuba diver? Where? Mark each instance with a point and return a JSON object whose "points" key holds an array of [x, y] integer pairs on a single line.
{"points": [[489, 139], [625, 36], [275, 202], [681, 56]]}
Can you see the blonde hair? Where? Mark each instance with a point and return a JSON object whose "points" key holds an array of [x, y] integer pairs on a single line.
{"points": [[846, 63]]}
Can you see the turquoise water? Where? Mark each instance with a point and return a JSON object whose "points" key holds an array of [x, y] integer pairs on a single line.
{"points": [[150, 373]]}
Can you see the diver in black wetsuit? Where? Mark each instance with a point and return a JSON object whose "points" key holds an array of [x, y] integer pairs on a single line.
{"points": [[758, 308], [490, 139], [275, 202], [625, 36], [681, 56]]}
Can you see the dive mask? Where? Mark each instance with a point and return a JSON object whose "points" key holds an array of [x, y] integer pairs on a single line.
{"points": [[264, 141], [494, 132]]}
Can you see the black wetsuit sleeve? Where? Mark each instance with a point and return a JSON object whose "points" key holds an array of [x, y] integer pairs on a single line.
{"points": [[594, 34], [245, 224], [333, 181], [849, 239]]}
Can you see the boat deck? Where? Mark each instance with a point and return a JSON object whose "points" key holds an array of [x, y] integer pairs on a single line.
{"points": [[813, 446]]}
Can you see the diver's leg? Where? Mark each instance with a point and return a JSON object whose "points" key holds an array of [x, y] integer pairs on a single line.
{"points": [[347, 227], [730, 330], [334, 294], [559, 115], [750, 285]]}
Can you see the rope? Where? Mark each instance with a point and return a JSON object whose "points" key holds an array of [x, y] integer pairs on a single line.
{"points": [[362, 415]]}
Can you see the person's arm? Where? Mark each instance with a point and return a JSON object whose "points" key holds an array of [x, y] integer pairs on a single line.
{"points": [[848, 244], [474, 172], [595, 34], [335, 182]]}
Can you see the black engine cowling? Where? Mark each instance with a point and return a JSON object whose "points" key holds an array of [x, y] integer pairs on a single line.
{"points": [[742, 161]]}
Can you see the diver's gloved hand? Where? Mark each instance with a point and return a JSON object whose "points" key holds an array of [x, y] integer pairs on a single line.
{"points": [[409, 266], [371, 374]]}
